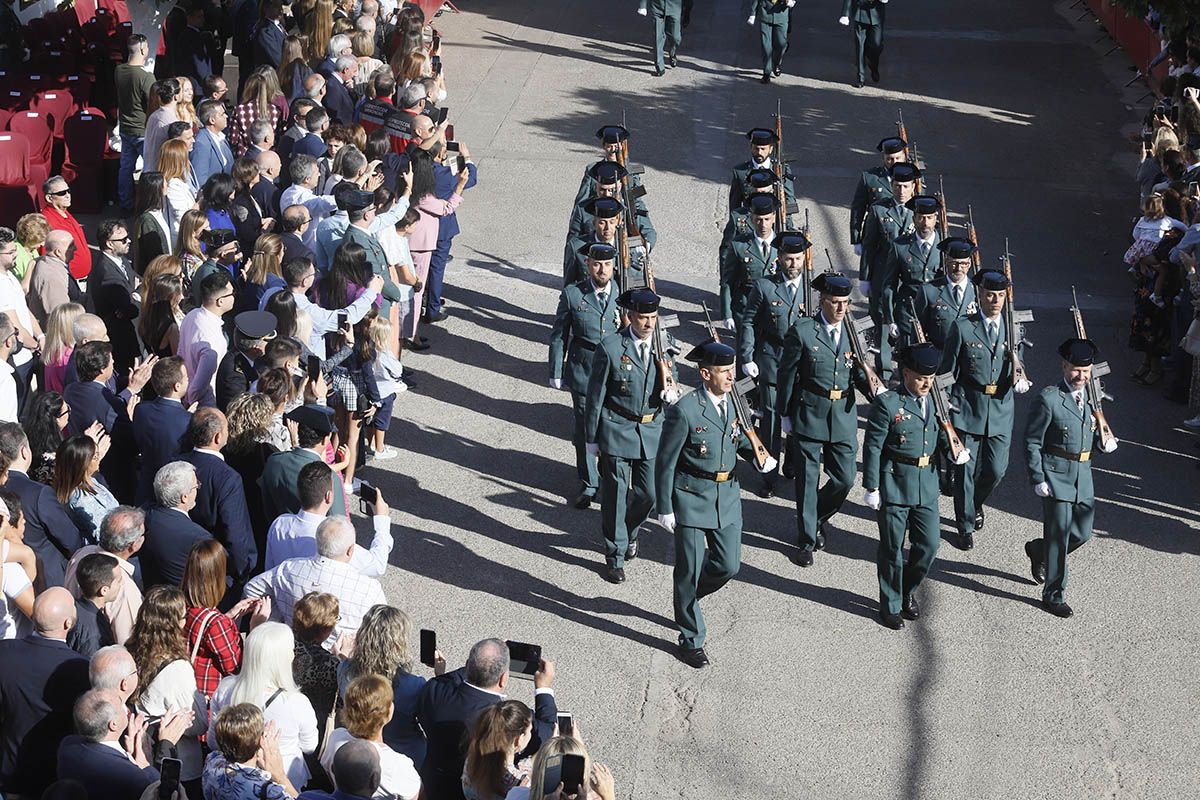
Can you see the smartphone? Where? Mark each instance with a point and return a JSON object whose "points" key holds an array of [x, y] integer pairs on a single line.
{"points": [[1194, 189], [343, 321], [462, 163], [523, 659], [168, 782], [442, 112], [449, 131], [368, 493], [566, 725], [452, 146], [572, 772], [428, 647], [314, 368]]}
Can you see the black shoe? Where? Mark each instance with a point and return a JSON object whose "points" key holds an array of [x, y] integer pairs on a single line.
{"points": [[820, 545], [436, 316], [631, 552], [671, 62], [966, 541], [893, 621], [615, 575], [765, 79], [805, 558], [911, 609], [777, 72], [979, 520], [658, 73], [875, 74], [1037, 565], [858, 85], [584, 500], [1061, 610], [694, 657], [416, 345]]}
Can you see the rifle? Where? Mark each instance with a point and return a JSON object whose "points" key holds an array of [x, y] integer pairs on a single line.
{"points": [[629, 196], [807, 298], [912, 148], [943, 213], [662, 355], [854, 328], [941, 404], [901, 131], [780, 191], [976, 259], [740, 407], [1012, 339], [1095, 389]]}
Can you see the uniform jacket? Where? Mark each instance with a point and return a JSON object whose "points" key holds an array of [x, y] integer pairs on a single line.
{"points": [[695, 439], [279, 484], [739, 186], [235, 373], [867, 12], [770, 314], [976, 365], [587, 184], [1055, 421], [170, 534], [811, 364], [98, 765], [874, 185], [159, 428], [769, 12], [937, 310], [210, 156], [895, 428], [221, 509], [739, 221], [576, 270], [744, 264], [581, 222], [885, 221], [49, 530], [903, 274], [619, 380], [663, 8], [580, 323]]}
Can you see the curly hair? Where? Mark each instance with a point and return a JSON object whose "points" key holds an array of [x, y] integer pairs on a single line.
{"points": [[381, 646], [249, 418], [157, 637]]}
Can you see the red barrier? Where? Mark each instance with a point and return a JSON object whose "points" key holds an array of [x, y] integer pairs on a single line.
{"points": [[1136, 38]]}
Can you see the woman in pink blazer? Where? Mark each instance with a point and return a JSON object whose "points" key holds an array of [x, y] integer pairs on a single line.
{"points": [[423, 240]]}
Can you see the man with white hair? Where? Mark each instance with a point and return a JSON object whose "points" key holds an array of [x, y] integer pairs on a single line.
{"points": [[113, 668], [340, 45], [170, 531], [261, 136], [52, 284], [339, 91], [122, 533], [328, 571]]}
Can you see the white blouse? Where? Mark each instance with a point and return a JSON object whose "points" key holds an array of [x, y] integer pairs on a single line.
{"points": [[292, 714], [173, 688]]}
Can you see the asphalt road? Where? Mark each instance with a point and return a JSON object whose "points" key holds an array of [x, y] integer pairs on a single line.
{"points": [[1017, 106]]}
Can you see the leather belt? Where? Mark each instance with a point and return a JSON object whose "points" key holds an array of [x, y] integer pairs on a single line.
{"points": [[718, 477], [639, 418], [821, 391], [1086, 455], [987, 388], [586, 345], [922, 462]]}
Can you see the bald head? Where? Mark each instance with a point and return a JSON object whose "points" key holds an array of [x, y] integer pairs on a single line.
{"points": [[57, 243], [100, 715], [89, 328], [113, 668], [356, 768], [268, 164], [54, 613]]}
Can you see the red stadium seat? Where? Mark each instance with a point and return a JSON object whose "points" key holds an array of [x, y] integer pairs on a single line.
{"points": [[57, 105], [36, 129], [86, 137], [16, 191]]}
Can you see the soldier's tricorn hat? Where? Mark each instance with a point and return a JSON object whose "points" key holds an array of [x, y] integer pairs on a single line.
{"points": [[612, 134], [955, 246], [712, 354], [922, 358], [833, 284], [761, 136], [762, 204], [598, 251], [891, 145], [791, 242], [256, 324], [606, 173], [760, 178], [991, 280], [350, 198], [310, 415], [1079, 352], [924, 204], [639, 301], [905, 172], [603, 207]]}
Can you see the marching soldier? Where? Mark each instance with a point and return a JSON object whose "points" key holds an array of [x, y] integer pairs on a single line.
{"points": [[607, 215], [885, 221], [901, 485], [611, 137], [772, 17], [698, 494], [865, 18], [587, 312], [1059, 438], [915, 260], [666, 14], [817, 378], [950, 296], [762, 155], [758, 181], [874, 185], [622, 424], [750, 256], [775, 307], [607, 176], [976, 354]]}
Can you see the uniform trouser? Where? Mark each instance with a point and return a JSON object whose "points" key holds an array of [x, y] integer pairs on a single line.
{"points": [[813, 505], [665, 27], [585, 465], [868, 46], [774, 43], [768, 423], [897, 579], [975, 480], [626, 500], [1065, 527], [883, 363], [437, 274], [699, 573]]}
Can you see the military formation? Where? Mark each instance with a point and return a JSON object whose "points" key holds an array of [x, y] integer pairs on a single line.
{"points": [[937, 361]]}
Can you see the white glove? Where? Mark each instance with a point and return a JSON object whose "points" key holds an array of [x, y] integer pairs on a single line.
{"points": [[883, 2], [785, 425], [1022, 386], [858, 249], [750, 21], [770, 466], [1110, 445], [642, 11], [963, 457], [893, 329], [791, 3], [864, 286], [592, 448], [873, 500], [667, 521], [556, 383], [750, 368], [669, 396], [728, 323], [1042, 489], [883, 391], [843, 20]]}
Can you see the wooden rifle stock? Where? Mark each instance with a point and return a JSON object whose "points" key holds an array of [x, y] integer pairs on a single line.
{"points": [[780, 189], [807, 298], [941, 404], [900, 130], [944, 212], [973, 238], [740, 407], [875, 386], [1010, 329], [1094, 390], [662, 358]]}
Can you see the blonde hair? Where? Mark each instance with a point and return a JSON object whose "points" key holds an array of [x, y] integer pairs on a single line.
{"points": [[1164, 140], [59, 335], [32, 230], [268, 253], [173, 160], [162, 265], [363, 44], [380, 332], [190, 226], [559, 745], [266, 665], [1152, 207], [318, 27]]}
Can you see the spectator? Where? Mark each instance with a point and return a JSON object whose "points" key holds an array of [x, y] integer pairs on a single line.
{"points": [[202, 338], [423, 240], [114, 668], [52, 284], [170, 532], [266, 191], [32, 230], [600, 779], [211, 153], [121, 535], [266, 682], [318, 141], [305, 175], [261, 99], [99, 576], [250, 217], [186, 111], [339, 45], [59, 344], [19, 571], [162, 312], [56, 197], [339, 89], [293, 68], [363, 49], [499, 733], [153, 232], [356, 772], [160, 425], [212, 635], [177, 173], [446, 183], [111, 287], [296, 222], [314, 667], [381, 648], [318, 32], [368, 709], [166, 94], [214, 88], [279, 481], [216, 200], [295, 535], [193, 232], [14, 305], [269, 35], [167, 684], [279, 388], [329, 571], [300, 275], [45, 424], [9, 404], [247, 452], [181, 131], [134, 84], [248, 762], [263, 273], [86, 498], [221, 502], [394, 241], [298, 127], [40, 679], [261, 138], [92, 401]]}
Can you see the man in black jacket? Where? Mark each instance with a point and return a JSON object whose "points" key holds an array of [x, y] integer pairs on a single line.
{"points": [[99, 576], [237, 370], [111, 285]]}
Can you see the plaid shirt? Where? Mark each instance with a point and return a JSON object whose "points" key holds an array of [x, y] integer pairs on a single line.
{"points": [[296, 577], [220, 652], [244, 116]]}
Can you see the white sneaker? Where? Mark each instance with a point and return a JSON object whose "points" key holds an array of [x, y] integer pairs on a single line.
{"points": [[401, 387], [351, 487], [386, 453], [1192, 424]]}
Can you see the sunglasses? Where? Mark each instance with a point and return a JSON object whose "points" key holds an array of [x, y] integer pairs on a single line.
{"points": [[59, 194], [119, 239]]}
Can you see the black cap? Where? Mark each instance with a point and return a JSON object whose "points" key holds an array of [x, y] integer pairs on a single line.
{"points": [[761, 136], [349, 197], [606, 173], [990, 280], [216, 238], [763, 204], [791, 242], [760, 178], [891, 144], [924, 204], [956, 247], [1079, 352], [712, 354], [612, 134], [904, 172], [833, 284], [319, 418], [599, 251], [256, 324], [922, 358], [639, 301], [603, 207]]}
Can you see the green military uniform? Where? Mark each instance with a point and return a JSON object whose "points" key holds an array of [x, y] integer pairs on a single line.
{"points": [[866, 22], [775, 306], [874, 185], [885, 221], [772, 18], [584, 317], [746, 261], [581, 226], [740, 188], [912, 263], [667, 32], [940, 304], [379, 266], [280, 480], [739, 218], [587, 184]]}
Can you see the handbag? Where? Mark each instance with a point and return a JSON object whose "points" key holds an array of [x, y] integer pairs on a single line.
{"points": [[1191, 340]]}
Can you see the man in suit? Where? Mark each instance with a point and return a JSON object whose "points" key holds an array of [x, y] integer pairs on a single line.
{"points": [[211, 153], [915, 260], [191, 51], [339, 92], [252, 331], [451, 702], [1060, 436], [170, 530], [268, 37], [99, 576], [699, 499], [221, 502], [90, 400], [874, 185], [445, 184], [279, 481], [243, 17], [40, 679], [865, 18], [261, 137], [885, 221], [160, 425], [49, 531], [296, 220], [666, 15], [587, 312], [266, 190], [112, 285], [772, 17], [750, 256], [296, 129]]}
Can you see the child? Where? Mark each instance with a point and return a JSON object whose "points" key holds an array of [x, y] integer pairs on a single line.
{"points": [[395, 246], [352, 373], [389, 380], [1150, 229]]}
